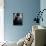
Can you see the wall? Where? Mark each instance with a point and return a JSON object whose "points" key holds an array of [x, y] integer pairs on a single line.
{"points": [[1, 20], [28, 8], [43, 6]]}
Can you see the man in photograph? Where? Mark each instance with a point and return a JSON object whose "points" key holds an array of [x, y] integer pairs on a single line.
{"points": [[17, 19]]}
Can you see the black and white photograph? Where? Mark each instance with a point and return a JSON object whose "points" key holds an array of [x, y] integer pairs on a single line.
{"points": [[17, 18]]}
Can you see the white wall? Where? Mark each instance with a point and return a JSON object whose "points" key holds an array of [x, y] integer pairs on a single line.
{"points": [[1, 20]]}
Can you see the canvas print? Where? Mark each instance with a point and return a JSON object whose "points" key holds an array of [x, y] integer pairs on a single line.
{"points": [[17, 18]]}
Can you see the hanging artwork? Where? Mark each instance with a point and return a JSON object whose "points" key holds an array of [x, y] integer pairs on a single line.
{"points": [[17, 18]]}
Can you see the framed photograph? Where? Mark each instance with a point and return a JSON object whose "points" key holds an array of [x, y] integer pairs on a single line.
{"points": [[17, 18]]}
